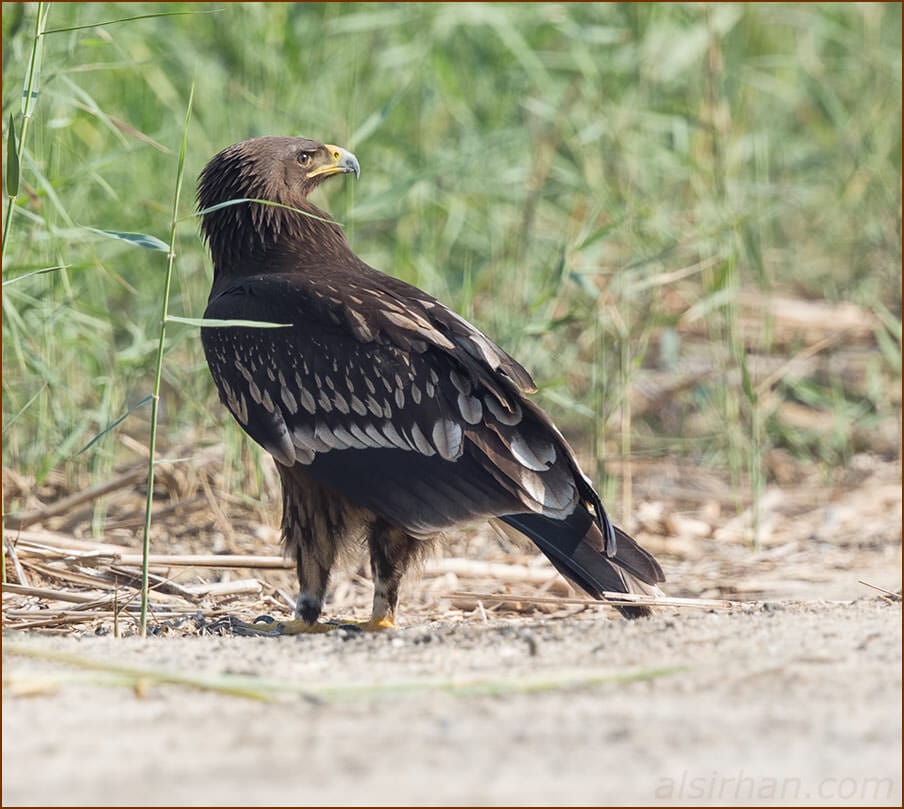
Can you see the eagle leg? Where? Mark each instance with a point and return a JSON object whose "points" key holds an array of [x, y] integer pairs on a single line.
{"points": [[317, 523], [391, 553]]}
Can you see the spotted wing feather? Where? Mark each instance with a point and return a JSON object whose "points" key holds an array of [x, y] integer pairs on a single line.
{"points": [[399, 425]]}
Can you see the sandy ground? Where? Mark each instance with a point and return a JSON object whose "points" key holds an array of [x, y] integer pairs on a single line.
{"points": [[792, 698], [784, 702]]}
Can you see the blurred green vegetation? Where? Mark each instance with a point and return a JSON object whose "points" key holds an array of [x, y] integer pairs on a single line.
{"points": [[580, 180]]}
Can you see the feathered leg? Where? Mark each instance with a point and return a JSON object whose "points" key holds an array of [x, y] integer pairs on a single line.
{"points": [[313, 576], [316, 524], [391, 553], [313, 527]]}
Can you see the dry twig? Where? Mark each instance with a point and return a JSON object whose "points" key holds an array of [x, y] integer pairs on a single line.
{"points": [[16, 522], [613, 599], [890, 593]]}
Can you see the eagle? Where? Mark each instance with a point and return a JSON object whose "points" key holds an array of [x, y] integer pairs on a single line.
{"points": [[390, 417]]}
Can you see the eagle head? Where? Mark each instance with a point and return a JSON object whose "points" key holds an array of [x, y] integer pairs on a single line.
{"points": [[255, 193]]}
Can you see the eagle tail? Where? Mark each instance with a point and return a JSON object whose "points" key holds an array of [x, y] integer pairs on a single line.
{"points": [[575, 548]]}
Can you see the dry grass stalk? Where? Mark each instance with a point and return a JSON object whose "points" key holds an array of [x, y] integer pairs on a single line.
{"points": [[17, 566], [208, 560], [221, 589], [60, 621], [159, 584], [111, 577], [53, 594], [889, 593], [615, 599], [93, 598], [61, 544], [506, 573], [330, 691], [86, 577], [793, 319], [52, 619], [50, 545], [64, 505]]}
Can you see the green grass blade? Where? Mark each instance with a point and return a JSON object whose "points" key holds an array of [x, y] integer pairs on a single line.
{"points": [[135, 239], [14, 158], [42, 271], [28, 97], [158, 373], [130, 19], [261, 688], [12, 162], [10, 421], [32, 84], [115, 424], [373, 121], [229, 202], [134, 675], [205, 322]]}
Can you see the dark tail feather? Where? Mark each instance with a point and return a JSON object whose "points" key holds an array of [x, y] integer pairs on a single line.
{"points": [[574, 546], [636, 560]]}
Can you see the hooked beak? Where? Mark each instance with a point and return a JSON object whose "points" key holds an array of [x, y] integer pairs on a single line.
{"points": [[341, 161]]}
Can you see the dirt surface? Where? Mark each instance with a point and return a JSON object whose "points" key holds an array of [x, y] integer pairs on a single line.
{"points": [[793, 697], [783, 702]]}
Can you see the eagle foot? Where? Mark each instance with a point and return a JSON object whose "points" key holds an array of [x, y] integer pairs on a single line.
{"points": [[376, 624], [267, 626]]}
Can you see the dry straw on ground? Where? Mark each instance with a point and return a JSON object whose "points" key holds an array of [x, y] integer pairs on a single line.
{"points": [[59, 579]]}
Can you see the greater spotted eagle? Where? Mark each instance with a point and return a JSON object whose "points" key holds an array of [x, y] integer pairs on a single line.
{"points": [[389, 416]]}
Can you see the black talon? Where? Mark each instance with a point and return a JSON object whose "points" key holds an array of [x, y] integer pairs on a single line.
{"points": [[240, 628], [346, 626]]}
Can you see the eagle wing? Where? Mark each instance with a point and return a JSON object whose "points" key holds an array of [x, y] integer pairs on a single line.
{"points": [[418, 420], [406, 409]]}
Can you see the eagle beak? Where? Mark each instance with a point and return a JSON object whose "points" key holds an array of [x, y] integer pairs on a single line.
{"points": [[342, 162]]}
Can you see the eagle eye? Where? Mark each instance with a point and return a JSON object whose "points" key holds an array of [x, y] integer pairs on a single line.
{"points": [[305, 158]]}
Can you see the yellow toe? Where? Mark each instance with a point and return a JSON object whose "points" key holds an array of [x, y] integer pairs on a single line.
{"points": [[295, 627], [378, 624]]}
